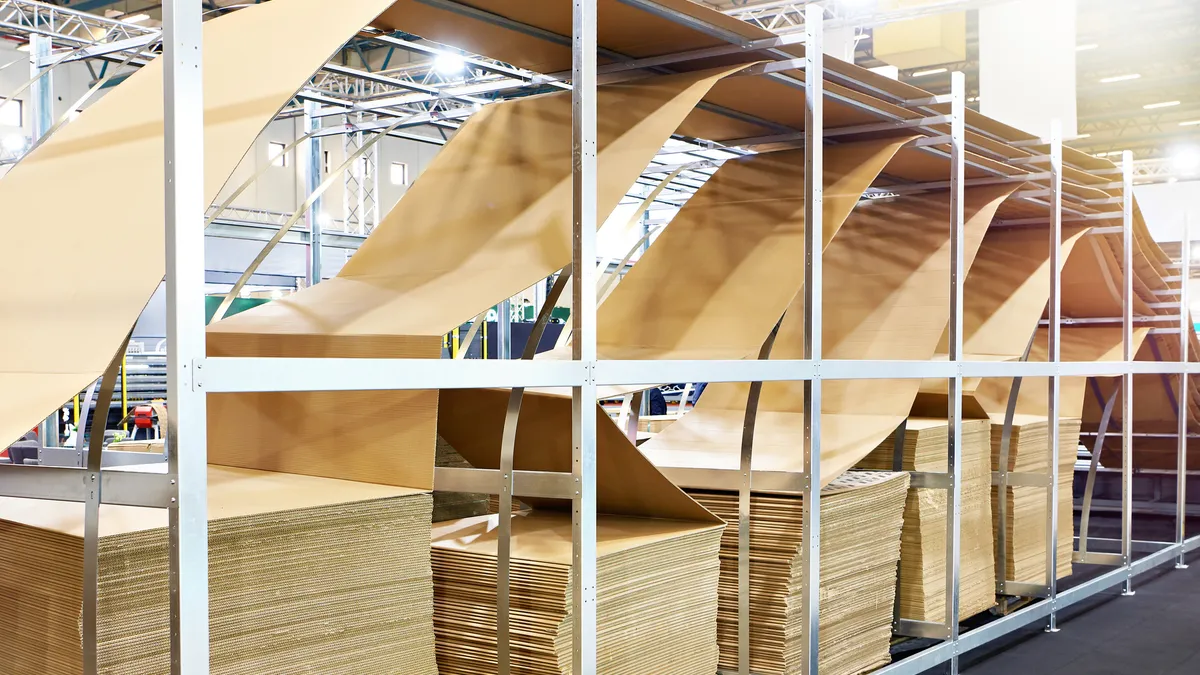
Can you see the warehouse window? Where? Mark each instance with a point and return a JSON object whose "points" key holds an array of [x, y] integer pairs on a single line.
{"points": [[275, 153], [399, 173], [12, 114]]}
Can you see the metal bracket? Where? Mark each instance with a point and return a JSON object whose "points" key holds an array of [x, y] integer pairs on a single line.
{"points": [[197, 376]]}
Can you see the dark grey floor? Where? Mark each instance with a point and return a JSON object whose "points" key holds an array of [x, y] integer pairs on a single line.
{"points": [[1154, 632]]}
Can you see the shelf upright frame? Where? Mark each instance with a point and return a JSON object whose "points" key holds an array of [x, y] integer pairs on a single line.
{"points": [[1127, 378], [1185, 333], [814, 171], [1053, 383], [958, 148], [583, 325], [187, 450]]}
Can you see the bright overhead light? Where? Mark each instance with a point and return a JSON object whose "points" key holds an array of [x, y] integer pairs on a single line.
{"points": [[1190, 123], [1086, 48], [932, 71], [449, 64], [1082, 136], [1164, 104], [1186, 159], [13, 143], [1120, 78], [1108, 154], [324, 220], [135, 18], [23, 48]]}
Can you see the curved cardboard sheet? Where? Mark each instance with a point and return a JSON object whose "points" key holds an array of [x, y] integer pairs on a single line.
{"points": [[490, 217], [886, 296], [63, 326], [472, 420], [722, 273]]}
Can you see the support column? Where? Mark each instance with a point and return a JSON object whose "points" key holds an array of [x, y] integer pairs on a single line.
{"points": [[41, 94], [310, 155], [1027, 55], [504, 330]]}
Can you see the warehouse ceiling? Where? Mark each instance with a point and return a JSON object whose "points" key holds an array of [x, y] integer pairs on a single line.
{"points": [[1153, 39]]}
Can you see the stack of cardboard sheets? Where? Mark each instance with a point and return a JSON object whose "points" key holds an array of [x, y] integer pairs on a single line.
{"points": [[922, 594], [1025, 543], [861, 516], [656, 595], [306, 574]]}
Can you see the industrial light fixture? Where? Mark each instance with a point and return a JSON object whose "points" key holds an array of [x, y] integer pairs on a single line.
{"points": [[324, 220], [135, 18], [932, 71], [1086, 48], [449, 64], [1190, 123], [23, 47], [1108, 154], [1080, 137], [1120, 78], [1164, 104]]}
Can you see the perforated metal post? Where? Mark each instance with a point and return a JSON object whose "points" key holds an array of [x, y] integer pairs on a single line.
{"points": [[187, 424], [1127, 378], [814, 170], [1185, 333], [583, 324], [958, 143], [1053, 355], [311, 159]]}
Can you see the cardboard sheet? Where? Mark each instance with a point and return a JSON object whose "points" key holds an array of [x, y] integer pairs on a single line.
{"points": [[886, 297], [722, 273], [286, 555], [118, 142], [489, 217], [472, 420]]}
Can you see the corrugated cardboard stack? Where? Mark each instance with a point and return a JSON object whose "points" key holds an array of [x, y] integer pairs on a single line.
{"points": [[923, 549], [861, 516], [306, 574], [656, 595], [1025, 543]]}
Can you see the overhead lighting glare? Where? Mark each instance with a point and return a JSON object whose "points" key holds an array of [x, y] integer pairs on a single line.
{"points": [[973, 99], [1120, 78], [1080, 137], [1087, 48], [1164, 104], [449, 64], [1186, 160], [1112, 153], [136, 18], [932, 71], [1190, 123], [13, 143], [23, 48]]}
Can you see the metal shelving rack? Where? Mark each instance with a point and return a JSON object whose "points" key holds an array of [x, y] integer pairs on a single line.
{"points": [[183, 490]]}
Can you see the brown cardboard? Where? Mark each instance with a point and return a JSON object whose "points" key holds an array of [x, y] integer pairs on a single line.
{"points": [[474, 228], [886, 297], [42, 360]]}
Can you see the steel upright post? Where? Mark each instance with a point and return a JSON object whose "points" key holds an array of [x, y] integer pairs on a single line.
{"points": [[958, 140], [1053, 355], [1185, 333], [311, 160], [1127, 377], [814, 171], [504, 330], [187, 449], [41, 95], [583, 320]]}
